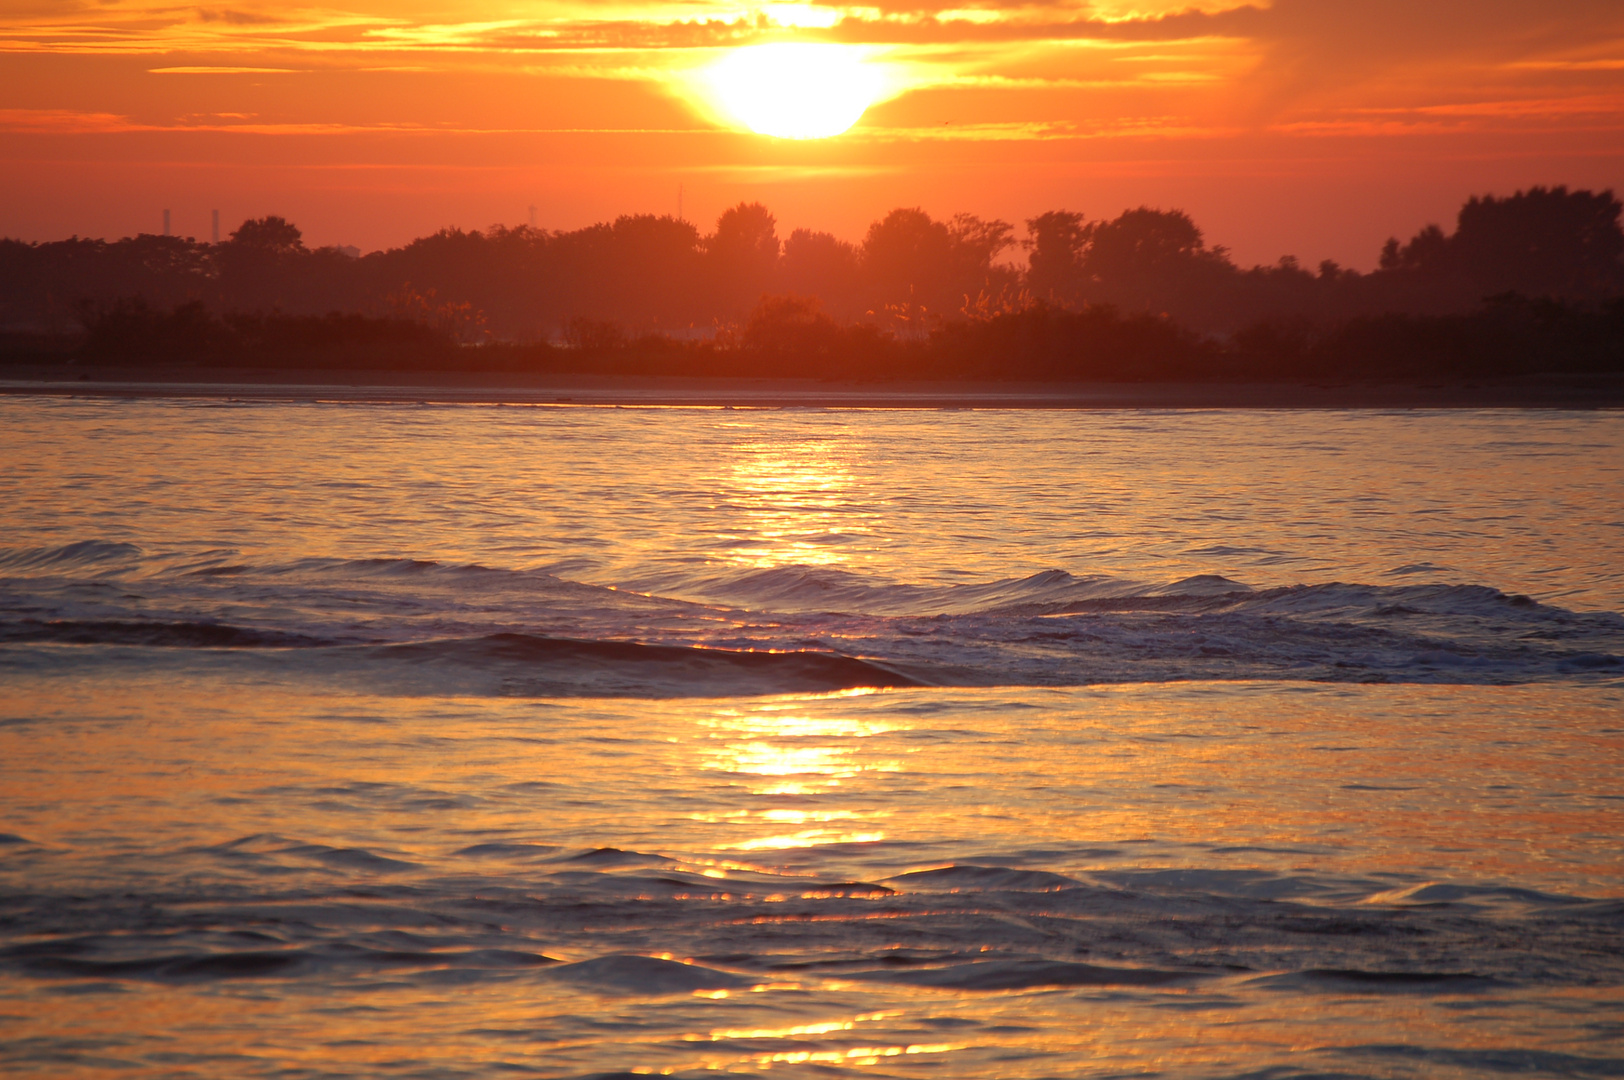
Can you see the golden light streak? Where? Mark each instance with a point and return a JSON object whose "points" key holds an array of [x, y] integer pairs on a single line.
{"points": [[806, 839], [223, 71]]}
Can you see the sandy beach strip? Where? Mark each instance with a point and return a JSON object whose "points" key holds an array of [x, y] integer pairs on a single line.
{"points": [[515, 388]]}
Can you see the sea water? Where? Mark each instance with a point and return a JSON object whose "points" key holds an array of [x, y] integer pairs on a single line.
{"points": [[465, 741]]}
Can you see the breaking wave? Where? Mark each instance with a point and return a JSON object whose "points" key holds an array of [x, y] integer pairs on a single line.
{"points": [[424, 627]]}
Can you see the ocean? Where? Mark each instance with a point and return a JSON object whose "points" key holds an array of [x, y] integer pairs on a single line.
{"points": [[443, 740]]}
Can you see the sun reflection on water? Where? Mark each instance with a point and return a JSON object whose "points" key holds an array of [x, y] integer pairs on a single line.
{"points": [[1264, 767], [807, 838], [796, 503], [780, 751]]}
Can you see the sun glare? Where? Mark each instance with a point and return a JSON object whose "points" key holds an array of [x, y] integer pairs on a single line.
{"points": [[795, 91]]}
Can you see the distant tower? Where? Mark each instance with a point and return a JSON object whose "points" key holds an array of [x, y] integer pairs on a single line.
{"points": [[166, 222], [679, 203], [532, 215], [216, 226]]}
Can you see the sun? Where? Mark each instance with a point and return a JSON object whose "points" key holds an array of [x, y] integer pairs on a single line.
{"points": [[795, 91]]}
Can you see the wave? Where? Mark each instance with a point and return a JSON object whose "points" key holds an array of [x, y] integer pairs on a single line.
{"points": [[989, 975], [197, 966], [510, 664], [543, 666], [165, 635], [592, 921], [633, 974], [822, 589], [800, 589], [1348, 980], [1057, 592], [614, 948], [66, 558], [648, 976], [422, 626]]}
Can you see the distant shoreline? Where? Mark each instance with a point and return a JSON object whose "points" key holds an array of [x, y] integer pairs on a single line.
{"points": [[451, 387]]}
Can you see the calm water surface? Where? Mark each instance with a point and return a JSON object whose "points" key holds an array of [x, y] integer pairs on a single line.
{"points": [[446, 741]]}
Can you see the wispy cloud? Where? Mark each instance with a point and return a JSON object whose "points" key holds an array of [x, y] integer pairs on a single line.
{"points": [[67, 121], [224, 71], [61, 121], [1298, 65], [1155, 127], [234, 18]]}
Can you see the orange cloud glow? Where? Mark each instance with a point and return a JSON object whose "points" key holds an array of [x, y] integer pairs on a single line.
{"points": [[1316, 127]]}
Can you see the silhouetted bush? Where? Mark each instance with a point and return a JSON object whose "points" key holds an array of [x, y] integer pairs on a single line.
{"points": [[1511, 335], [130, 332], [1097, 342], [793, 337]]}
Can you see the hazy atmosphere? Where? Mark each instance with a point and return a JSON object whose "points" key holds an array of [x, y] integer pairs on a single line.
{"points": [[1007, 541]]}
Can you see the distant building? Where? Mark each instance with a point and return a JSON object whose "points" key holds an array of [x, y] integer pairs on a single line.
{"points": [[349, 251]]}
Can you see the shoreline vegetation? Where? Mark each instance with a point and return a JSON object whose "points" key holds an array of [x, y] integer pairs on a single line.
{"points": [[1527, 291]]}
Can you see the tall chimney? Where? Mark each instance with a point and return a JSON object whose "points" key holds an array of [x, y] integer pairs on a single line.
{"points": [[532, 216], [216, 226], [166, 222]]}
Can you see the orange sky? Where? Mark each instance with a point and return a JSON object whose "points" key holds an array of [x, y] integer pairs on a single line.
{"points": [[1310, 127]]}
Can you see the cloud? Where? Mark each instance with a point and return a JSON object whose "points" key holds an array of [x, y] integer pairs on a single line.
{"points": [[1312, 48], [62, 121], [224, 71], [72, 122], [1302, 39], [235, 18], [1142, 127], [1310, 65]]}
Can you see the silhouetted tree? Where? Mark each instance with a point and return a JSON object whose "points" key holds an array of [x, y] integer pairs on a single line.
{"points": [[1542, 242], [977, 242], [743, 255], [271, 233], [42, 285], [1539, 242], [819, 264], [1057, 242], [1150, 260], [259, 264], [907, 258], [922, 272], [643, 270]]}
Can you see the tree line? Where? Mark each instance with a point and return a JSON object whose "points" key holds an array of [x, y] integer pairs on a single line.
{"points": [[1523, 282]]}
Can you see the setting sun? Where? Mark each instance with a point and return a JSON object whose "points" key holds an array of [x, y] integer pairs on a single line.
{"points": [[795, 91]]}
